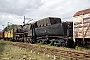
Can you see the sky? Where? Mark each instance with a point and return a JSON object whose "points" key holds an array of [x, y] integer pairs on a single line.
{"points": [[13, 11]]}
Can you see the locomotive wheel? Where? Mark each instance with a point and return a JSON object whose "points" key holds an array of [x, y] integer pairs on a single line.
{"points": [[31, 41], [63, 44], [40, 41], [27, 40], [52, 43]]}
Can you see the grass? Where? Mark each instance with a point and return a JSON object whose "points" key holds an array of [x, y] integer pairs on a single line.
{"points": [[83, 49], [10, 52]]}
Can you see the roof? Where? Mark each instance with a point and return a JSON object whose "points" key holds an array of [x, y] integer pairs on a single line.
{"points": [[86, 11]]}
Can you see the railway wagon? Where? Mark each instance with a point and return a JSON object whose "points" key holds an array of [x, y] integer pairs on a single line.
{"points": [[50, 26], [1, 35], [8, 35], [81, 28], [44, 28]]}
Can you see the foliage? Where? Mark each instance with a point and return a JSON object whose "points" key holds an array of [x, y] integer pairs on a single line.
{"points": [[10, 27]]}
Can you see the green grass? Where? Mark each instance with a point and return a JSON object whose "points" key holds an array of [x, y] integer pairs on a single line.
{"points": [[83, 49], [11, 52]]}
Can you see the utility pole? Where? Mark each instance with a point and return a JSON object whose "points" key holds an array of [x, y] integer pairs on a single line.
{"points": [[7, 25], [26, 19], [3, 26]]}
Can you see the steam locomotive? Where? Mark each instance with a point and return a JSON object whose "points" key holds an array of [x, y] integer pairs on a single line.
{"points": [[49, 30]]}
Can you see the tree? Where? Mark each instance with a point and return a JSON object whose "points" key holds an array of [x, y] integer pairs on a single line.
{"points": [[10, 27]]}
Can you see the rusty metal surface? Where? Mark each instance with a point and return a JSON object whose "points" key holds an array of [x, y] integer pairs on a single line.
{"points": [[82, 30], [82, 12], [26, 27], [53, 30], [1, 35], [48, 21]]}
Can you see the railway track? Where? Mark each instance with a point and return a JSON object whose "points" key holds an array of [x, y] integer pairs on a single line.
{"points": [[57, 52]]}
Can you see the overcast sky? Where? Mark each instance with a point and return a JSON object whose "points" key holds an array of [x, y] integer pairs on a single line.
{"points": [[14, 10]]}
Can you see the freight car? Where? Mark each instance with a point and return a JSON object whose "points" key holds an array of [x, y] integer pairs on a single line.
{"points": [[49, 31], [81, 31], [8, 35], [1, 34]]}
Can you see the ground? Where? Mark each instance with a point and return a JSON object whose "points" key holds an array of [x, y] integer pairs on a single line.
{"points": [[11, 52], [8, 51]]}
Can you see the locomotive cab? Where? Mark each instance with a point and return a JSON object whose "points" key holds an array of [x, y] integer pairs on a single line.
{"points": [[31, 33]]}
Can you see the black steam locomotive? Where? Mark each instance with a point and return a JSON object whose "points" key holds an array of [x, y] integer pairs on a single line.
{"points": [[49, 30]]}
